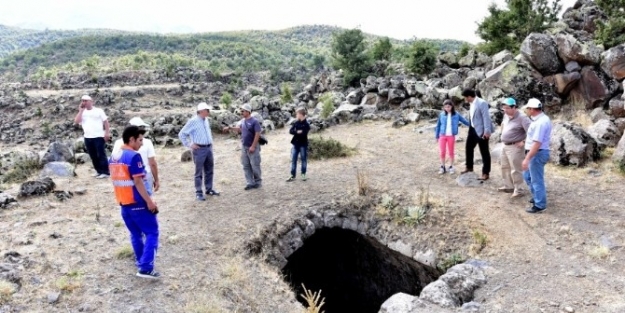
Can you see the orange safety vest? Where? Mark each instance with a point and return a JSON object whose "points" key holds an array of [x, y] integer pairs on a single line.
{"points": [[123, 183]]}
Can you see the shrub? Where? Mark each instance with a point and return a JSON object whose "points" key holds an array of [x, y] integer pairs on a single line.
{"points": [[382, 49], [464, 50], [320, 148], [286, 96], [450, 261], [226, 99], [327, 105], [21, 171], [422, 57]]}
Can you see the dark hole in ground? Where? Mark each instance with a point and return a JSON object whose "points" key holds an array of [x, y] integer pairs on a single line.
{"points": [[355, 273]]}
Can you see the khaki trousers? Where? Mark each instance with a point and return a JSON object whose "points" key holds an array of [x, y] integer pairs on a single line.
{"points": [[512, 158]]}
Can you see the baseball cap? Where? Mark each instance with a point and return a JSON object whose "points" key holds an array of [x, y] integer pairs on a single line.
{"points": [[246, 107], [137, 121], [509, 102], [85, 97], [203, 106], [533, 104]]}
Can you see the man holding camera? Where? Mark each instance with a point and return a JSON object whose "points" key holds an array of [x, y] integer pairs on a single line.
{"points": [[250, 130]]}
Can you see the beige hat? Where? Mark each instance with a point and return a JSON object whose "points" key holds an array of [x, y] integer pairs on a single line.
{"points": [[203, 106], [86, 97], [533, 104], [246, 107]]}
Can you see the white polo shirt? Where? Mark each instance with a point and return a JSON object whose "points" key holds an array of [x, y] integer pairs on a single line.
{"points": [[93, 122], [146, 151]]}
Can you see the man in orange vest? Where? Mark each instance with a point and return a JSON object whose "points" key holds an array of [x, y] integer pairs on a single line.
{"points": [[138, 210]]}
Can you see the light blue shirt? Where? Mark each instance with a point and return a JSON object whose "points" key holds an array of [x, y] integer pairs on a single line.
{"points": [[539, 131], [198, 130]]}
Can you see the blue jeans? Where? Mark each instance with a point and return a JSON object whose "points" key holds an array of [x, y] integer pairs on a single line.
{"points": [[303, 153], [142, 223], [535, 178]]}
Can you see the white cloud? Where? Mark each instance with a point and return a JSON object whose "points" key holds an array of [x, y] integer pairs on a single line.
{"points": [[453, 19]]}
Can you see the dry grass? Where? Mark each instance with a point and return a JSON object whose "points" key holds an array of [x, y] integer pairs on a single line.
{"points": [[362, 183], [320, 148], [480, 240], [124, 252], [314, 302], [7, 289], [600, 252], [68, 284]]}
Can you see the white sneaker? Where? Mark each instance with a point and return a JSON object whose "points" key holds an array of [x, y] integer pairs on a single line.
{"points": [[441, 170], [95, 174], [102, 176], [452, 170]]}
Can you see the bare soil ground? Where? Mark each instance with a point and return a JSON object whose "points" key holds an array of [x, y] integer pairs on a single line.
{"points": [[568, 257]]}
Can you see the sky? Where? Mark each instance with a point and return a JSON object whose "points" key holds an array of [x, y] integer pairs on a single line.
{"points": [[444, 19]]}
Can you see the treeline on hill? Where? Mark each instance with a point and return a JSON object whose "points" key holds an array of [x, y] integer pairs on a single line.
{"points": [[305, 47]]}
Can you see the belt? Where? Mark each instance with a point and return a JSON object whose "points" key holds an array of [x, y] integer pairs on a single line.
{"points": [[510, 143], [203, 146], [527, 151]]}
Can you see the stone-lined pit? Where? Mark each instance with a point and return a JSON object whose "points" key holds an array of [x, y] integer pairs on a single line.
{"points": [[355, 273]]}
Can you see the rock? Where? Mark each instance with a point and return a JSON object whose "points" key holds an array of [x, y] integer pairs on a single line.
{"points": [[63, 195], [468, 60], [594, 89], [428, 257], [469, 83], [598, 114], [452, 79], [572, 145], [502, 81], [471, 307], [619, 154], [469, 179], [572, 66], [455, 94], [495, 153], [482, 60], [439, 293], [370, 84], [186, 156], [617, 108], [258, 103], [80, 191], [571, 49], [347, 108], [569, 309], [564, 83], [58, 169], [605, 133], [412, 117], [401, 247], [541, 52], [355, 96], [82, 158], [613, 62], [6, 200], [583, 19], [269, 125], [10, 272], [58, 152], [37, 188], [9, 160], [449, 58], [399, 303], [396, 96], [463, 280], [53, 297], [500, 58], [620, 124], [383, 86]]}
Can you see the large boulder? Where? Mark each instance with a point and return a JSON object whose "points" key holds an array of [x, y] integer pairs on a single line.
{"points": [[396, 96], [6, 200], [594, 89], [572, 145], [58, 152], [370, 84], [619, 154], [501, 58], [468, 60], [502, 81], [384, 85], [37, 187], [259, 102], [449, 58], [452, 79], [583, 18], [617, 107], [355, 96], [541, 52], [598, 114], [482, 60], [613, 62], [9, 160], [564, 82], [571, 49], [605, 133], [58, 169]]}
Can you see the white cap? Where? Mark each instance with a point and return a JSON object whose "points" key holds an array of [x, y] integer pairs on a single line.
{"points": [[533, 104], [203, 106], [137, 121], [85, 97], [246, 107]]}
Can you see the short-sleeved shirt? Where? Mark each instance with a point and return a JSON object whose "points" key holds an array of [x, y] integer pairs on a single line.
{"points": [[93, 122], [539, 131], [146, 151], [515, 128], [249, 128]]}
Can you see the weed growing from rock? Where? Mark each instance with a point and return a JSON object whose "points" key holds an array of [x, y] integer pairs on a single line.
{"points": [[447, 263], [314, 301]]}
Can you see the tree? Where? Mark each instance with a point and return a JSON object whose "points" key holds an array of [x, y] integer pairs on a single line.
{"points": [[422, 57], [382, 50], [286, 96], [464, 50], [507, 28], [348, 54], [611, 32], [318, 61]]}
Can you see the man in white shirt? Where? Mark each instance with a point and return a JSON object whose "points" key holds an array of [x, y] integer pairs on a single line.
{"points": [[148, 155], [95, 125]]}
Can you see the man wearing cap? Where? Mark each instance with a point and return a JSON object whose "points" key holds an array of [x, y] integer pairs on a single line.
{"points": [[197, 136], [514, 131], [479, 132], [95, 125], [250, 130], [148, 155], [537, 155]]}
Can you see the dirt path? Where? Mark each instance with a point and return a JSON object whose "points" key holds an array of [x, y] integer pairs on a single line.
{"points": [[50, 92], [538, 263]]}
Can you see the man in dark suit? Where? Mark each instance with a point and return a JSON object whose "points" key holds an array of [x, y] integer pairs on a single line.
{"points": [[479, 132]]}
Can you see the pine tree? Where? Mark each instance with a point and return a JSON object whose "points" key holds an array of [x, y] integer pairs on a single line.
{"points": [[348, 54]]}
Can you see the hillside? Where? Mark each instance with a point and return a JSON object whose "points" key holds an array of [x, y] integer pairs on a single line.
{"points": [[243, 51], [13, 39]]}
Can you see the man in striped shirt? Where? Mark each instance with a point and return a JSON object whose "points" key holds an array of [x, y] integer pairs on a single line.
{"points": [[196, 135]]}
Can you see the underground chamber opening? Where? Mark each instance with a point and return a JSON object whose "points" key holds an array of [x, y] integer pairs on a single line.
{"points": [[355, 273]]}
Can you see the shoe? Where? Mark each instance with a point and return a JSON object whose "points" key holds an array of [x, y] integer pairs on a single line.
{"points": [[451, 170], [484, 177], [249, 187], [213, 193], [506, 190], [531, 201], [516, 194], [102, 176], [151, 274], [534, 209], [292, 178], [200, 198], [466, 170], [304, 177], [95, 174], [441, 170]]}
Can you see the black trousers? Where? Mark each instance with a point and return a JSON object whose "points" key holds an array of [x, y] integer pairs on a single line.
{"points": [[96, 147], [474, 140]]}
